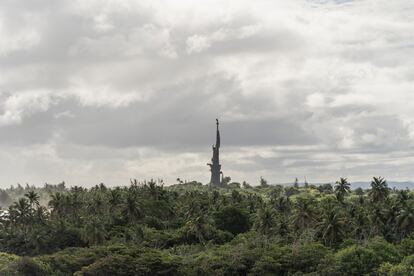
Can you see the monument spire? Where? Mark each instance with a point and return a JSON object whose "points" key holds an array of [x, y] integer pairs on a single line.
{"points": [[217, 135], [215, 166]]}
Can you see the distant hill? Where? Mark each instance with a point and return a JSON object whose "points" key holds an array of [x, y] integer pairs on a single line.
{"points": [[399, 185], [392, 184]]}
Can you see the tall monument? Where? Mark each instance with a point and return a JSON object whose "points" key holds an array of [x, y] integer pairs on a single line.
{"points": [[215, 166]]}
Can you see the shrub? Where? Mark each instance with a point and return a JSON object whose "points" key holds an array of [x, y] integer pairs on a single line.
{"points": [[26, 267], [232, 219]]}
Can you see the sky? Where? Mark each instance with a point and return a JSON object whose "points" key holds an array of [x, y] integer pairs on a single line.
{"points": [[98, 91]]}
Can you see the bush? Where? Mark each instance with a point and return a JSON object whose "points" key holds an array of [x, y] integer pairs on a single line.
{"points": [[154, 222], [304, 258], [150, 262], [26, 267], [384, 251], [406, 267], [357, 260], [406, 247], [6, 259], [232, 219], [111, 260]]}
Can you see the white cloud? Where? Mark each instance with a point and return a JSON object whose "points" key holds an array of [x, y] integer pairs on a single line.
{"points": [[15, 107], [24, 38], [333, 75], [197, 43], [145, 40]]}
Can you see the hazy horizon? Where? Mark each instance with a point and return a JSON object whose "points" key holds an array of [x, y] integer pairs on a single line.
{"points": [[105, 91]]}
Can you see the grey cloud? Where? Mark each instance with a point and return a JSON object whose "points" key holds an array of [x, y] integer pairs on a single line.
{"points": [[145, 123], [302, 88]]}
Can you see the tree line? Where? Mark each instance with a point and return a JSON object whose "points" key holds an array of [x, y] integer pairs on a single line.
{"points": [[147, 228]]}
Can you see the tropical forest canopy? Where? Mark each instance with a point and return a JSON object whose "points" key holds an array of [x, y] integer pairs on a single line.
{"points": [[188, 229]]}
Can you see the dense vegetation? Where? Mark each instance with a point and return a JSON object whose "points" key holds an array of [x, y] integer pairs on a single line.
{"points": [[186, 229]]}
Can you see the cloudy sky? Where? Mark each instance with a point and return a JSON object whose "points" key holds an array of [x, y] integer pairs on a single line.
{"points": [[107, 90]]}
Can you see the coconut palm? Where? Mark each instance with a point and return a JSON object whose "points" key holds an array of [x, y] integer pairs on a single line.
{"points": [[93, 232], [360, 225], [33, 198], [405, 220], [402, 198], [131, 209], [198, 227], [331, 227], [379, 189], [377, 218], [115, 198], [20, 216], [57, 203], [282, 204], [265, 220], [20, 210], [283, 225], [304, 214], [342, 188]]}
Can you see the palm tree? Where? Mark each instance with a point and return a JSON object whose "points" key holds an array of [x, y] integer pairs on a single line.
{"points": [[360, 225], [193, 209], [94, 232], [20, 209], [304, 215], [198, 227], [41, 214], [33, 198], [77, 189], [196, 216], [296, 183], [114, 198], [20, 214], [282, 204], [331, 227], [283, 225], [57, 203], [215, 195], [236, 197], [131, 210], [377, 220], [402, 198], [342, 188], [265, 221], [379, 189], [405, 220], [96, 205], [153, 189]]}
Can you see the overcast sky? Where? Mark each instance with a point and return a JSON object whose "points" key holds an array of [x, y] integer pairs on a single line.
{"points": [[107, 90]]}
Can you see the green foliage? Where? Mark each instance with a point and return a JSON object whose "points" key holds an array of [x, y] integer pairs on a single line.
{"points": [[379, 189], [6, 259], [111, 260], [25, 267], [356, 260], [185, 229], [232, 219], [365, 259], [263, 183], [148, 262], [406, 267], [342, 188]]}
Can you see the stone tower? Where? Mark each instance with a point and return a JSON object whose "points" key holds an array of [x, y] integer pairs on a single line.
{"points": [[215, 166]]}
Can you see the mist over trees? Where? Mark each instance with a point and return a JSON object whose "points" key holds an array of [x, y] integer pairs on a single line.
{"points": [[147, 228]]}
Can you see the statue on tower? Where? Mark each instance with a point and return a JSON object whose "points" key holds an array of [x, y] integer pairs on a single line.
{"points": [[215, 166]]}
